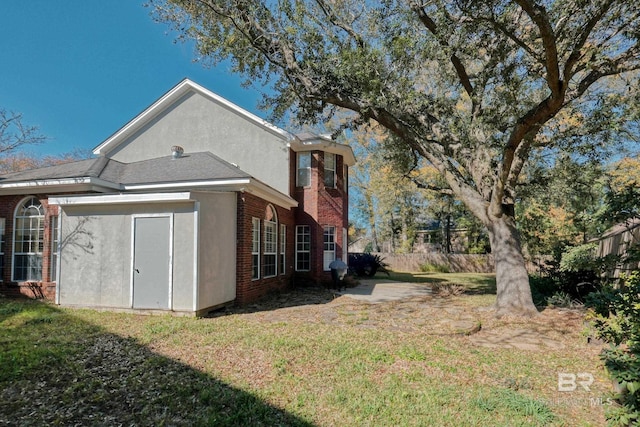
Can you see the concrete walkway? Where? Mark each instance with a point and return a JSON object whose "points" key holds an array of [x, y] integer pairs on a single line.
{"points": [[381, 290]]}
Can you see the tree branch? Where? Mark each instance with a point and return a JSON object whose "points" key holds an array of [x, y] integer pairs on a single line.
{"points": [[538, 15], [463, 76]]}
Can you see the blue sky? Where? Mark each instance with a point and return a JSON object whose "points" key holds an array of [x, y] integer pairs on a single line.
{"points": [[80, 69]]}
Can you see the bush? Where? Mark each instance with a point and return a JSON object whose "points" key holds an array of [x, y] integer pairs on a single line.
{"points": [[615, 313], [367, 265], [574, 272], [434, 268], [579, 258]]}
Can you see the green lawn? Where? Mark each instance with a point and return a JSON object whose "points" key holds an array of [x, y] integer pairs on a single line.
{"points": [[278, 367]]}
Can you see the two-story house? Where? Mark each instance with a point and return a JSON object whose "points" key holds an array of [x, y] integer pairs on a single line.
{"points": [[193, 204]]}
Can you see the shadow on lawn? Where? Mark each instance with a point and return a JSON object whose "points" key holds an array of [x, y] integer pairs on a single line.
{"points": [[57, 369]]}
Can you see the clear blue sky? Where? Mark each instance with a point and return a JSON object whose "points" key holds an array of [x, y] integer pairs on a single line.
{"points": [[80, 69]]}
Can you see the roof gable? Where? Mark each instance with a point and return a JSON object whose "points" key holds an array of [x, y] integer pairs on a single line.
{"points": [[167, 101]]}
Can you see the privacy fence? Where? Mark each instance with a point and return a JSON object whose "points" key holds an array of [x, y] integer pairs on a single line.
{"points": [[454, 263]]}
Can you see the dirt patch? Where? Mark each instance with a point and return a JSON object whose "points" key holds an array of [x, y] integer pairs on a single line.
{"points": [[440, 314]]}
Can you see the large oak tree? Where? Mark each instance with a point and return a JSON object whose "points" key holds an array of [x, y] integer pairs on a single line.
{"points": [[470, 87]]}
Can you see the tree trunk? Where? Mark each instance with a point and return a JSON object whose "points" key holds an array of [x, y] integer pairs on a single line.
{"points": [[512, 279]]}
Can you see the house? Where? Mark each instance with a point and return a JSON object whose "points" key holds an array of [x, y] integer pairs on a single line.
{"points": [[193, 204], [621, 242]]}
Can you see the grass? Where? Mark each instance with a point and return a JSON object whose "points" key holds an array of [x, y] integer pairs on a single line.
{"points": [[360, 366], [474, 283]]}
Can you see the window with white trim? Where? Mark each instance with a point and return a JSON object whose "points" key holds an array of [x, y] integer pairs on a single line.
{"points": [[270, 242], [329, 170], [303, 178], [329, 246], [28, 241], [345, 178], [303, 248], [255, 248], [283, 245], [55, 239]]}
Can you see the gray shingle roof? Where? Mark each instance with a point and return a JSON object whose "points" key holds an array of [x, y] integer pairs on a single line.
{"points": [[189, 167], [78, 169]]}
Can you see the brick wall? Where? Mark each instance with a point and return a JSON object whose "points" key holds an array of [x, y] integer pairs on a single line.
{"points": [[46, 287], [320, 206], [248, 289]]}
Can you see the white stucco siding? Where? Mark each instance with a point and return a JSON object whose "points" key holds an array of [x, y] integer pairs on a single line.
{"points": [[200, 124], [183, 260], [96, 254], [94, 259], [217, 248]]}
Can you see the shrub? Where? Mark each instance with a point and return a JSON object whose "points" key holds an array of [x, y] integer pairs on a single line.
{"points": [[579, 258], [434, 268], [615, 313], [367, 265]]}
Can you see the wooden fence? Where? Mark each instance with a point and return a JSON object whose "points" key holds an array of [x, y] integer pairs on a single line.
{"points": [[454, 263]]}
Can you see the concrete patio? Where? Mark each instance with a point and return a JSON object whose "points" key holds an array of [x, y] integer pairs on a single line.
{"points": [[381, 290]]}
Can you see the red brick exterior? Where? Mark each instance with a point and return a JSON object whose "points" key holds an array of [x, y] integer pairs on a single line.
{"points": [[46, 288], [320, 206], [248, 289]]}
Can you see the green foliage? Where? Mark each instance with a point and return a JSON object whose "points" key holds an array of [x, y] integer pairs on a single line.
{"points": [[579, 258], [367, 265], [434, 268], [563, 299], [616, 317], [556, 284], [517, 78], [560, 203], [510, 400]]}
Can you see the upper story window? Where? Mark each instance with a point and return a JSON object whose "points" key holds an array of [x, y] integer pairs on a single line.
{"points": [[28, 240], [345, 178], [303, 178], [330, 170]]}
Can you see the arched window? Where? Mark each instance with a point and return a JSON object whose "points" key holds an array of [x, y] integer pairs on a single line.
{"points": [[270, 242], [28, 240]]}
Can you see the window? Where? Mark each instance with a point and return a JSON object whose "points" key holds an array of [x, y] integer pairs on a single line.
{"points": [[55, 239], [2, 249], [345, 178], [330, 170], [303, 248], [329, 246], [255, 248], [270, 242], [283, 253], [28, 241], [304, 170]]}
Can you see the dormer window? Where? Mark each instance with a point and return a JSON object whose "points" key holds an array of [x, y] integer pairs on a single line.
{"points": [[329, 170], [304, 170]]}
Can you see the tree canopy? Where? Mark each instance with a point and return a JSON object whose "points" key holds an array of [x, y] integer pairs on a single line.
{"points": [[471, 88]]}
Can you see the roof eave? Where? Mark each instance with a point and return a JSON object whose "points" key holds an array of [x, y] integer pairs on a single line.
{"points": [[325, 144], [58, 185]]}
